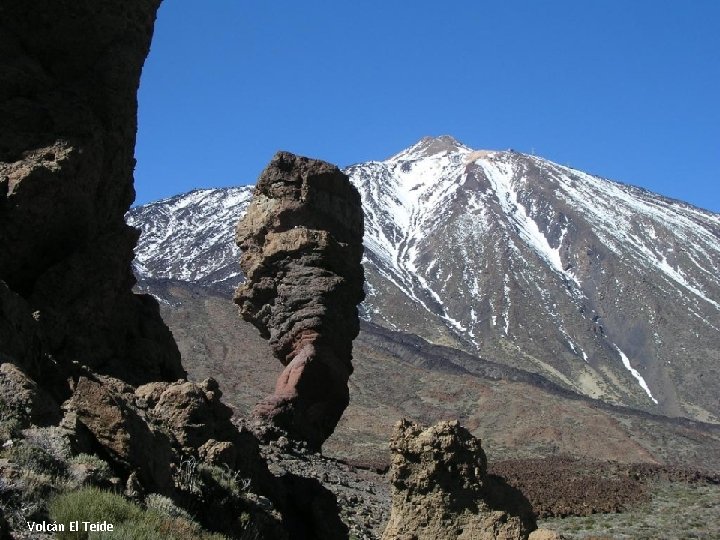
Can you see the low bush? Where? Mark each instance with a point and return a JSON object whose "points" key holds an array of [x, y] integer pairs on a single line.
{"points": [[130, 522], [98, 472], [165, 506], [35, 459]]}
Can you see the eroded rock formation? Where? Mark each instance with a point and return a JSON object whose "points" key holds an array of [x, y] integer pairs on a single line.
{"points": [[441, 489], [302, 245]]}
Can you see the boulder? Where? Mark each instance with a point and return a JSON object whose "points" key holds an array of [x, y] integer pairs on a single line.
{"points": [[24, 399], [104, 408], [441, 489], [192, 412]]}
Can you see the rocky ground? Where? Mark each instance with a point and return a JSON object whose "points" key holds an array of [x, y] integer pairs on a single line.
{"points": [[363, 494], [560, 486], [579, 498]]}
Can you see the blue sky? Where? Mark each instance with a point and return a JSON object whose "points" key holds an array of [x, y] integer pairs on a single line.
{"points": [[628, 90]]}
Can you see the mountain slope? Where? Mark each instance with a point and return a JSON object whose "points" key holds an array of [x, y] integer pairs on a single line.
{"points": [[399, 375], [604, 288], [190, 237]]}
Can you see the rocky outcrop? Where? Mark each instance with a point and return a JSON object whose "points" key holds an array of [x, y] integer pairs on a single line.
{"points": [[150, 430], [88, 370], [69, 72], [103, 408], [302, 245], [75, 341], [441, 489]]}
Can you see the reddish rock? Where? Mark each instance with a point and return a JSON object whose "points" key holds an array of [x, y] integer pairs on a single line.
{"points": [[302, 245], [560, 486]]}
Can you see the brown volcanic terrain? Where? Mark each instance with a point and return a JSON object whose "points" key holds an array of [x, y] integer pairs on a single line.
{"points": [[517, 415]]}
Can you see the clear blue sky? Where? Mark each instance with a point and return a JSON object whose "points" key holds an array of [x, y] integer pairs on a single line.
{"points": [[629, 90]]}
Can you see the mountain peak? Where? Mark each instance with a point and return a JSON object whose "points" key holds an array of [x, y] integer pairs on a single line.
{"points": [[430, 146]]}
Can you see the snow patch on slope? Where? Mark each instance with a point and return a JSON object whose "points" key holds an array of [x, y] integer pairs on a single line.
{"points": [[170, 246], [630, 218], [406, 198], [635, 373], [500, 173]]}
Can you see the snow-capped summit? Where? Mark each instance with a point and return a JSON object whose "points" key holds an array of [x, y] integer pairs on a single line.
{"points": [[605, 288], [431, 146]]}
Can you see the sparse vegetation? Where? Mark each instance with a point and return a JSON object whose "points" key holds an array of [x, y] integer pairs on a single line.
{"points": [[38, 485], [165, 506], [10, 422], [188, 478], [676, 511], [226, 478], [31, 476], [35, 459], [131, 522], [98, 471]]}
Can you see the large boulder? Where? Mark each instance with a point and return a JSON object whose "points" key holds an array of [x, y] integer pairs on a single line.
{"points": [[104, 410], [192, 412], [441, 489], [301, 240]]}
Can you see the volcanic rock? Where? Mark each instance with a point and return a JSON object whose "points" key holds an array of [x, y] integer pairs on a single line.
{"points": [[69, 72], [21, 395], [441, 489], [192, 412], [72, 331], [302, 245], [105, 408]]}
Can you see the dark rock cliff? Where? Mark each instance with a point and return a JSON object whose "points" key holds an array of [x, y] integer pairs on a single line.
{"points": [[69, 73], [75, 342], [301, 240]]}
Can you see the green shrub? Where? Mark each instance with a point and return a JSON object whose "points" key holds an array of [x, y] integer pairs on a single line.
{"points": [[225, 478], [12, 421], [130, 522], [154, 525], [91, 504], [10, 427]]}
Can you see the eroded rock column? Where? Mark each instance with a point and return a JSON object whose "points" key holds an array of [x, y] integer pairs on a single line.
{"points": [[441, 489], [302, 247]]}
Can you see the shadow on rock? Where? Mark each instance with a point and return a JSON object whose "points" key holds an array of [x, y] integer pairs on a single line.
{"points": [[312, 511]]}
